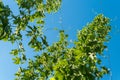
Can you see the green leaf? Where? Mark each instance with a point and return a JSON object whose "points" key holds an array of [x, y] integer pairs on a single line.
{"points": [[14, 52], [16, 60]]}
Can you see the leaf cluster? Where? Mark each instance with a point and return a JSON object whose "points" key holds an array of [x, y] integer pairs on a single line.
{"points": [[57, 61]]}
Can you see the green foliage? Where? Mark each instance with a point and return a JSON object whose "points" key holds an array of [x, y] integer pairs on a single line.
{"points": [[57, 61], [4, 22]]}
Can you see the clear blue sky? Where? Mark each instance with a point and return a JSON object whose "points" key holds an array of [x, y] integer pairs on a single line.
{"points": [[73, 15]]}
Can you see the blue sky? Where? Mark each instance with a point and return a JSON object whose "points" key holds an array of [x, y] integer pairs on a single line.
{"points": [[73, 15]]}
